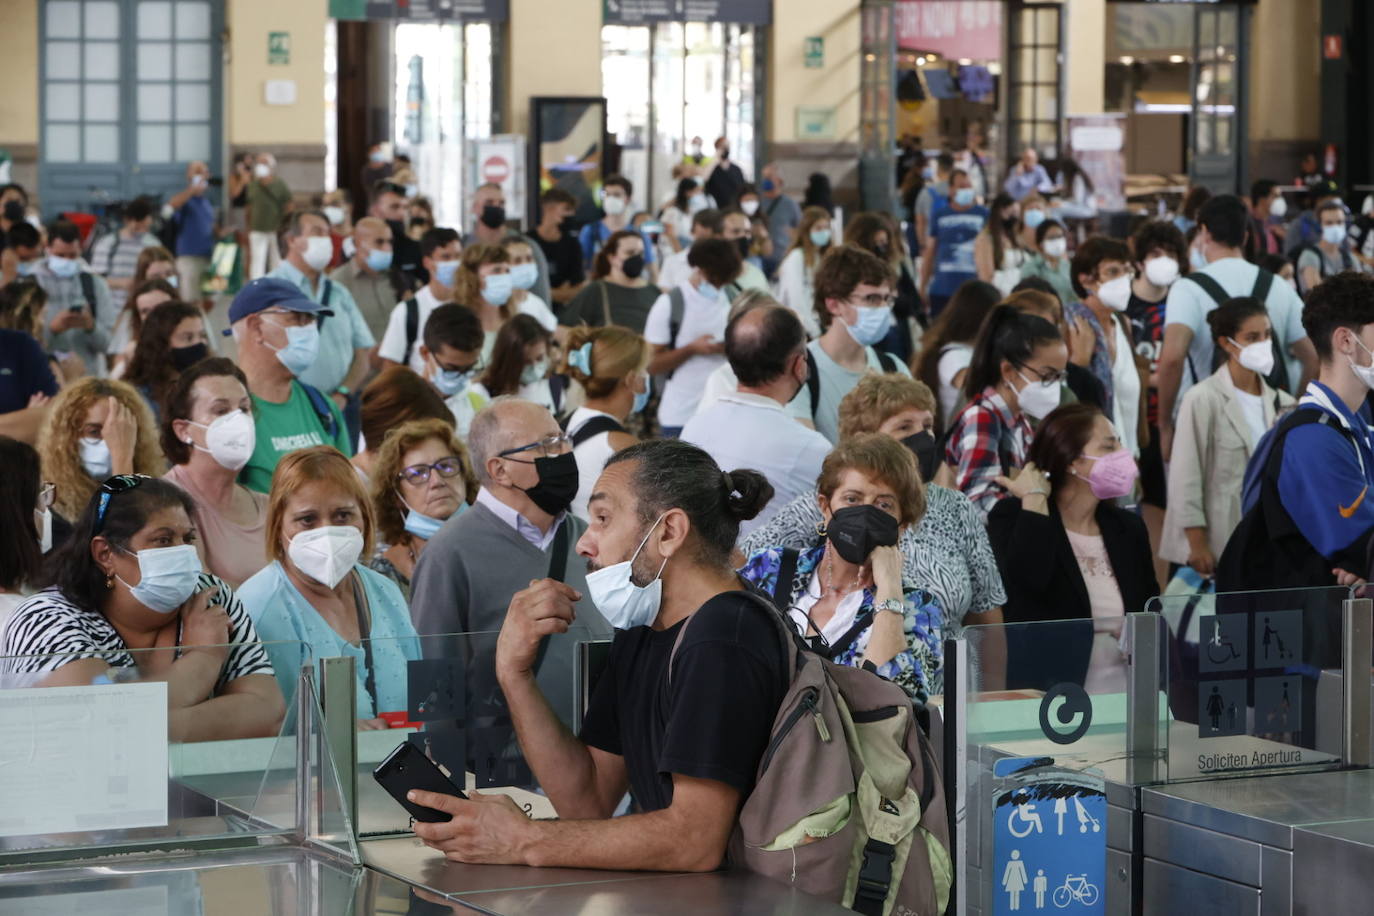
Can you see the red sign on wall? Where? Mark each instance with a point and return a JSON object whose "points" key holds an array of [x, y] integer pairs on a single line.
{"points": [[954, 29], [1331, 47], [495, 170]]}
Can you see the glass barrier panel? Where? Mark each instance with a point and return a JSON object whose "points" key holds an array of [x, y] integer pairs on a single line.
{"points": [[118, 749], [1254, 681], [1044, 728], [440, 694]]}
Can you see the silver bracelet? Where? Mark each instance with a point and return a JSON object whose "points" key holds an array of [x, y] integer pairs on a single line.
{"points": [[1037, 492]]}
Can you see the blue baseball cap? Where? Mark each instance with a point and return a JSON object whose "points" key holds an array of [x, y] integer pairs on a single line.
{"points": [[269, 292]]}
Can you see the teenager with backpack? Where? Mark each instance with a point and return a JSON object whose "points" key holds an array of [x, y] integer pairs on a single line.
{"points": [[1309, 512], [1331, 254], [1187, 355]]}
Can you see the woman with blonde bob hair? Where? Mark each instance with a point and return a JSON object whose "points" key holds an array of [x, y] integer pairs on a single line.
{"points": [[96, 428], [421, 478], [607, 369], [315, 590], [812, 241], [846, 594], [946, 551]]}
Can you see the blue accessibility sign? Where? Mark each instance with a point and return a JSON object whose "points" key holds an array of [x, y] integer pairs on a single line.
{"points": [[1049, 838]]}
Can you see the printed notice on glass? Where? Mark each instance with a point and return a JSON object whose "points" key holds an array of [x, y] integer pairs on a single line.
{"points": [[83, 758]]}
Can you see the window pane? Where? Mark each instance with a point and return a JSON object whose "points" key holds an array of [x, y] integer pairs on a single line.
{"points": [[193, 142], [154, 102], [64, 60], [102, 143], [102, 101], [102, 60], [102, 19], [155, 60], [155, 143], [155, 20], [64, 102], [193, 20], [62, 143], [193, 60], [64, 19], [193, 102]]}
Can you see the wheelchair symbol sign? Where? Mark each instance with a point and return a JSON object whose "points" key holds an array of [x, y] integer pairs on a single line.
{"points": [[1023, 819]]}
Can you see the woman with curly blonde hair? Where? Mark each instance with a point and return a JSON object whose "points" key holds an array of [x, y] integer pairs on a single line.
{"points": [[422, 476], [96, 428]]}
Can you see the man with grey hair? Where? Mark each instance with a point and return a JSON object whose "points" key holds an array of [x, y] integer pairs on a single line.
{"points": [[750, 427], [268, 200], [517, 531], [344, 339]]}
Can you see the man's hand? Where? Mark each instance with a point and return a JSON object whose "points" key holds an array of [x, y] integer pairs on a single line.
{"points": [[706, 345], [1202, 561], [544, 608], [485, 829], [70, 318]]}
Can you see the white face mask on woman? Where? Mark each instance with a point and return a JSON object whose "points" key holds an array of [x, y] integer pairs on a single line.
{"points": [[229, 439], [1038, 398], [327, 553]]}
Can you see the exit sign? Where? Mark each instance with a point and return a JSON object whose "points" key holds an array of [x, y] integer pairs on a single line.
{"points": [[813, 52], [279, 47]]}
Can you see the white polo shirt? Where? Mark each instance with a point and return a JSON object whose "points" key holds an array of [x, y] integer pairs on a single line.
{"points": [[745, 430]]}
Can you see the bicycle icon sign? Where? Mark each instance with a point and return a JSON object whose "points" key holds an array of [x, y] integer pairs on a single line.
{"points": [[1075, 889]]}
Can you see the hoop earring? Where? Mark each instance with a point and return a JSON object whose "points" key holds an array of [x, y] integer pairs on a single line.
{"points": [[820, 528]]}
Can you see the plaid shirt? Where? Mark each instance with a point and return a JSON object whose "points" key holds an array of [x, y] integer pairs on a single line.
{"points": [[986, 441]]}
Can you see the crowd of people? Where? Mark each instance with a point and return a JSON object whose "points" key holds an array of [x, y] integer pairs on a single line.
{"points": [[403, 430]]}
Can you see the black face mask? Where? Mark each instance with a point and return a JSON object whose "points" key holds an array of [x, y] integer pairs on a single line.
{"points": [[557, 483], [743, 243], [493, 217], [882, 251], [923, 446], [633, 266], [1009, 224], [568, 225], [184, 358], [856, 530], [14, 211]]}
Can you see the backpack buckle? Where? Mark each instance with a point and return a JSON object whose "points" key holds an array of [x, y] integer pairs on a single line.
{"points": [[875, 875]]}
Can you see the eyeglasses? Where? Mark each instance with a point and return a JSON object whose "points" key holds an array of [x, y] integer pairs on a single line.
{"points": [[109, 490], [419, 473], [1047, 376], [548, 447], [877, 301], [47, 495]]}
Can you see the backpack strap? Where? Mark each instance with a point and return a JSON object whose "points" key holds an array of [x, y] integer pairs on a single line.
{"points": [[321, 407], [1209, 286], [813, 383], [787, 571], [88, 290], [886, 360], [1263, 281], [677, 305], [595, 426], [326, 292], [412, 328]]}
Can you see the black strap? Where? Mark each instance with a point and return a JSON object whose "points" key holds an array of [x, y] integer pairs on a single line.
{"points": [[317, 401], [787, 571], [558, 568], [887, 361], [676, 306], [365, 637], [88, 290], [324, 301], [862, 622], [412, 328], [1263, 280], [1209, 286], [813, 383], [594, 426], [114, 250], [875, 878]]}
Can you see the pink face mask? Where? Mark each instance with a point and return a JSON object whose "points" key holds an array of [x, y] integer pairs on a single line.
{"points": [[1113, 476]]}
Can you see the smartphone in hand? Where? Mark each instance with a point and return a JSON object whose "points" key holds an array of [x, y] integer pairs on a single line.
{"points": [[408, 768]]}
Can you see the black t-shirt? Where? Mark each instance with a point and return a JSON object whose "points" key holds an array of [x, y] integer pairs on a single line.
{"points": [[564, 257], [1147, 326], [713, 722]]}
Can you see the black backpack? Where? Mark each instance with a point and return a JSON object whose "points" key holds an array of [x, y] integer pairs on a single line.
{"points": [[1278, 379], [1267, 551]]}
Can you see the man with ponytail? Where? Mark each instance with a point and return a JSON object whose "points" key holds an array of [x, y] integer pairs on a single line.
{"points": [[687, 741]]}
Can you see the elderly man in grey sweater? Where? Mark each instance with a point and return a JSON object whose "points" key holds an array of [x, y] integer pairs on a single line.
{"points": [[518, 530]]}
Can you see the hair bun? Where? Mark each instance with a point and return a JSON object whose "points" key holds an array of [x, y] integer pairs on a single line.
{"points": [[747, 492]]}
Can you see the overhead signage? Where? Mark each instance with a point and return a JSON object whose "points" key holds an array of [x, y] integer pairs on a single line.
{"points": [[645, 12], [421, 10]]}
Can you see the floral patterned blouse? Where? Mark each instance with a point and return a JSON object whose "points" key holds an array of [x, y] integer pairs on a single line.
{"points": [[919, 670]]}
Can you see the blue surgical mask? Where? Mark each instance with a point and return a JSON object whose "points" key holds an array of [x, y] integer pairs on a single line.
{"points": [[620, 601], [496, 289], [767, 185], [642, 397], [424, 526], [379, 260], [871, 326], [63, 267], [302, 346], [1333, 235], [28, 268], [1033, 217], [450, 382], [963, 197], [167, 577], [820, 237], [445, 272], [1197, 259], [523, 276], [708, 290], [534, 372]]}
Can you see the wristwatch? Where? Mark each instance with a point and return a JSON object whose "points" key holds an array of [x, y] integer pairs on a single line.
{"points": [[893, 605], [343, 390]]}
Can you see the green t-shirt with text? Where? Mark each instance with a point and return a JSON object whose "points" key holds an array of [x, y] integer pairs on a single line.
{"points": [[286, 427]]}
